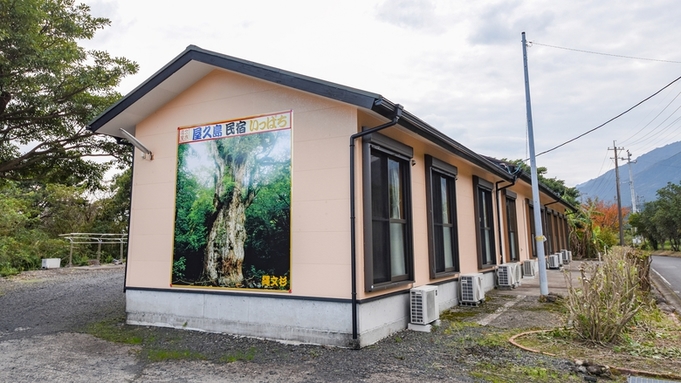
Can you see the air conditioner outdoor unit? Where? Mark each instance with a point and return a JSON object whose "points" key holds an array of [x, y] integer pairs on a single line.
{"points": [[507, 275], [423, 303], [566, 256], [553, 261], [530, 268], [471, 288], [518, 273]]}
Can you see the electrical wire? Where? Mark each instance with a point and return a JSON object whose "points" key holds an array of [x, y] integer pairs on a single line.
{"points": [[603, 54], [609, 121], [625, 141]]}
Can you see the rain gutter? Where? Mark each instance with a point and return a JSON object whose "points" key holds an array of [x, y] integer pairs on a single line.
{"points": [[353, 239]]}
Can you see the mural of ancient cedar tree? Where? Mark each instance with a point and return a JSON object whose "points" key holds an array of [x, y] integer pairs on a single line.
{"points": [[232, 217]]}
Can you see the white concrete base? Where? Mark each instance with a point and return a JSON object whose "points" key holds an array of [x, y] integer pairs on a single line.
{"points": [[305, 320], [423, 327]]}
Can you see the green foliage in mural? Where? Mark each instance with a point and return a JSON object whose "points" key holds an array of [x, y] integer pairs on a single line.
{"points": [[232, 225]]}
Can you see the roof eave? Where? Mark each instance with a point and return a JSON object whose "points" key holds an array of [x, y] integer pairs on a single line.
{"points": [[327, 89]]}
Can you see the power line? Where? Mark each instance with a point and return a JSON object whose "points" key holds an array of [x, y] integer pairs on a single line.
{"points": [[605, 54], [651, 121], [610, 120]]}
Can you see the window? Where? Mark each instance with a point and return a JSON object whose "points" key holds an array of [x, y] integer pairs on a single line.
{"points": [[548, 222], [443, 245], [485, 224], [512, 226], [531, 229], [388, 255], [566, 232]]}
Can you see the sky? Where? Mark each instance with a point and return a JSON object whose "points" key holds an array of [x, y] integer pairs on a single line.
{"points": [[457, 65]]}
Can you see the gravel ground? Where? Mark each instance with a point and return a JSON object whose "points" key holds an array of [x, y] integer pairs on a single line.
{"points": [[45, 317]]}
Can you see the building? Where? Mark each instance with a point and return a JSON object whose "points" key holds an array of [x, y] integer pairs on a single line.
{"points": [[270, 204]]}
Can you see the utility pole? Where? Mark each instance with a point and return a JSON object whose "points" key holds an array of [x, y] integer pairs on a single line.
{"points": [[631, 183], [539, 235], [619, 199]]}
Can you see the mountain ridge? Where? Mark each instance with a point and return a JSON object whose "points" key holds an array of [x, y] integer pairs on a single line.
{"points": [[651, 171]]}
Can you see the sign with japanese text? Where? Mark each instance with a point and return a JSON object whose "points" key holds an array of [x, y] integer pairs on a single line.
{"points": [[237, 127]]}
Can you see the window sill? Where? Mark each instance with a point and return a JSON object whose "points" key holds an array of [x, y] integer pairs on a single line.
{"points": [[388, 285]]}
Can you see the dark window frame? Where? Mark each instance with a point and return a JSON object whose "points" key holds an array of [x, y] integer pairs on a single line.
{"points": [[531, 229], [550, 239], [439, 171], [381, 147], [512, 226], [483, 189]]}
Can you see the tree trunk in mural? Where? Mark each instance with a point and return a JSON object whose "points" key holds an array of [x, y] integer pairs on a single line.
{"points": [[234, 192]]}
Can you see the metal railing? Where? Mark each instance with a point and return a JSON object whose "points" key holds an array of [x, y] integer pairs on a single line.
{"points": [[95, 238]]}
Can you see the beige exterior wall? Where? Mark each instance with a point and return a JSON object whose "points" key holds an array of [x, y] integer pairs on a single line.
{"points": [[320, 221], [466, 215], [320, 186]]}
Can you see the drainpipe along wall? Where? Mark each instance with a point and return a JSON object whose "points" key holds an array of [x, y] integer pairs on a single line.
{"points": [[353, 239], [501, 247]]}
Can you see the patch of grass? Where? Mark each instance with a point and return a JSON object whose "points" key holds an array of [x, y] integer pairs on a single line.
{"points": [[504, 373], [246, 356], [160, 355], [495, 339], [653, 344], [452, 315], [457, 326], [115, 331]]}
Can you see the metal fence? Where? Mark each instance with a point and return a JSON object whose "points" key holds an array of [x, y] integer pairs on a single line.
{"points": [[95, 238]]}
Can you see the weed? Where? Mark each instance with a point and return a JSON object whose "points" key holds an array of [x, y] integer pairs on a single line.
{"points": [[608, 298], [160, 355], [115, 331], [452, 315], [458, 326], [501, 373], [494, 339], [398, 339], [239, 356]]}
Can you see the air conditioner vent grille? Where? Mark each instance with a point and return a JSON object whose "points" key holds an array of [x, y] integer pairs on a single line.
{"points": [[423, 302]]}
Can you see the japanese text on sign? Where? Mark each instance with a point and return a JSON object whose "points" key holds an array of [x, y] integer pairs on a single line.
{"points": [[276, 121]]}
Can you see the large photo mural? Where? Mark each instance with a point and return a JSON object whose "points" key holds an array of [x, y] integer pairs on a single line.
{"points": [[233, 204]]}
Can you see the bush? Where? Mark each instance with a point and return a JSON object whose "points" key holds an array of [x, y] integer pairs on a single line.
{"points": [[609, 297], [25, 251]]}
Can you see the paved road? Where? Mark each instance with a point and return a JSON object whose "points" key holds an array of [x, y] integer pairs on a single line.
{"points": [[670, 269]]}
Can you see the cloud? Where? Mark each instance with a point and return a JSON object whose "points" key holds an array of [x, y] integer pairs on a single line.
{"points": [[502, 23], [420, 15]]}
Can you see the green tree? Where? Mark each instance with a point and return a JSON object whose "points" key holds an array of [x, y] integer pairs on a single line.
{"points": [[667, 217], [645, 226], [569, 194], [110, 213], [50, 87], [31, 216]]}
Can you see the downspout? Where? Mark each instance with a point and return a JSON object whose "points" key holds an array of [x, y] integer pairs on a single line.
{"points": [[496, 186], [127, 253], [132, 171], [353, 252]]}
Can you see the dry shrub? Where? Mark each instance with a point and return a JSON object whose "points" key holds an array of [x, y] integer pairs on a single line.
{"points": [[609, 297]]}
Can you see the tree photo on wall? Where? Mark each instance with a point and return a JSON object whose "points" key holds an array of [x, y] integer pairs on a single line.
{"points": [[232, 217]]}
